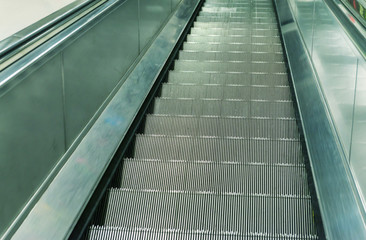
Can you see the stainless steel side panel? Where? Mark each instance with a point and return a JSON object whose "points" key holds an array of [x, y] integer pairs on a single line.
{"points": [[55, 214], [31, 136], [152, 14], [339, 204], [95, 63]]}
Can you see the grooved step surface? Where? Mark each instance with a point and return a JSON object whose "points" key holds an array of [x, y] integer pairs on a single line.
{"points": [[214, 66], [216, 91], [231, 19], [202, 31], [222, 126], [213, 177], [220, 155], [243, 215], [230, 56], [234, 108], [234, 39], [237, 25], [246, 79], [244, 47], [218, 149]]}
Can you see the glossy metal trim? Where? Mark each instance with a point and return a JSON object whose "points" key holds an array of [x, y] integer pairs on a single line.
{"points": [[56, 213], [356, 29], [338, 200], [35, 29], [8, 76]]}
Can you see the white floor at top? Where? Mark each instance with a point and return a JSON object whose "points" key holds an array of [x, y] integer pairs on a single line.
{"points": [[16, 15]]}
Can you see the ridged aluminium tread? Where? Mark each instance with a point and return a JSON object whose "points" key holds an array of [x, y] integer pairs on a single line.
{"points": [[247, 79], [216, 178], [219, 149], [220, 155], [244, 47], [221, 31], [237, 25], [222, 126], [234, 39], [216, 66], [229, 108], [218, 91], [195, 213], [230, 56]]}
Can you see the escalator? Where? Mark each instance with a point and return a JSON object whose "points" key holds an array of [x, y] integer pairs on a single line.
{"points": [[220, 155]]}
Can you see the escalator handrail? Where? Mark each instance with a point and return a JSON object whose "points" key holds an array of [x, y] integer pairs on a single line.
{"points": [[14, 44], [354, 26]]}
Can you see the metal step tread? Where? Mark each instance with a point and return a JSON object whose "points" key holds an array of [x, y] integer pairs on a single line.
{"points": [[221, 126], [233, 66], [237, 25], [226, 91], [219, 149], [248, 79], [221, 31], [212, 107], [226, 47], [215, 178], [220, 155], [230, 56], [108, 232], [182, 212], [248, 39]]}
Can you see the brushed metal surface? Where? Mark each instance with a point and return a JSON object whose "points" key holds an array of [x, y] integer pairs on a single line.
{"points": [[95, 63], [32, 137], [341, 211], [65, 198], [152, 15]]}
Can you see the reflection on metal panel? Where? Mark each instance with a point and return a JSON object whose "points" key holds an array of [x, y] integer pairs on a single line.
{"points": [[32, 136], [152, 14], [175, 3], [358, 148], [334, 82], [95, 63], [66, 196]]}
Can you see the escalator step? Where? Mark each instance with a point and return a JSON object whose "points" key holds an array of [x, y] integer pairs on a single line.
{"points": [[182, 213], [238, 39], [197, 46], [220, 8], [246, 79], [219, 149], [221, 127], [236, 19], [215, 91], [213, 177], [210, 66], [229, 108], [237, 25], [234, 32], [233, 13], [230, 56]]}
